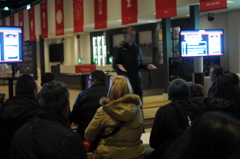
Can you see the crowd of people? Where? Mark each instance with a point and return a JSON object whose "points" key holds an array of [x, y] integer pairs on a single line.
{"points": [[36, 124]]}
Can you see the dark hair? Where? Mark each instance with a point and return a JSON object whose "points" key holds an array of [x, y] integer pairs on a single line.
{"points": [[25, 85], [54, 95], [178, 89], [127, 29], [217, 70], [196, 90], [99, 76], [47, 77], [232, 78], [212, 136]]}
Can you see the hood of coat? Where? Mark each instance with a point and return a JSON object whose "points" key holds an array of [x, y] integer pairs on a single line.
{"points": [[122, 109]]}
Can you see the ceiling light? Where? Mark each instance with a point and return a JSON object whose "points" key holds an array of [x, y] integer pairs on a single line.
{"points": [[6, 8], [152, 21], [230, 2], [28, 6]]}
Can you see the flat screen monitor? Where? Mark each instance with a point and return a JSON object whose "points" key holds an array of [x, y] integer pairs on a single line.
{"points": [[201, 43], [11, 44], [56, 52]]}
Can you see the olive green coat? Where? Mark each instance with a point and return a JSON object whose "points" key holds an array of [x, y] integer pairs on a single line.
{"points": [[126, 143]]}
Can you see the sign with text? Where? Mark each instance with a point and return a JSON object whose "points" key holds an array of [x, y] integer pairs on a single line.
{"points": [[78, 17], [165, 8], [3, 22], [31, 16], [59, 17], [20, 19], [44, 20], [100, 14], [129, 11], [84, 68], [208, 5], [12, 20]]}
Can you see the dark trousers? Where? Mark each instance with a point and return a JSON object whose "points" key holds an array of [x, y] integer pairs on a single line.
{"points": [[137, 89]]}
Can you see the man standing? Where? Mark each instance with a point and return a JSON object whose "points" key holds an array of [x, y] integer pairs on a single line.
{"points": [[127, 60], [49, 134], [215, 72], [87, 101], [17, 111]]}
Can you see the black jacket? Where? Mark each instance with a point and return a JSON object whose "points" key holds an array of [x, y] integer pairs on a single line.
{"points": [[47, 136], [170, 121], [131, 59], [13, 114], [86, 105]]}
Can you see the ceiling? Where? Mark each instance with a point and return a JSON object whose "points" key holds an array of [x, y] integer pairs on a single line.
{"points": [[15, 6], [182, 10]]}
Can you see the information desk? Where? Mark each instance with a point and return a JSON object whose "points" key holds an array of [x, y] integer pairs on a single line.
{"points": [[74, 80]]}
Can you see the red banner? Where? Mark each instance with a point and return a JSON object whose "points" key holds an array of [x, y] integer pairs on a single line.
{"points": [[44, 20], [78, 17], [129, 11], [59, 17], [12, 20], [207, 5], [165, 8], [31, 16], [3, 22], [100, 14], [20, 19]]}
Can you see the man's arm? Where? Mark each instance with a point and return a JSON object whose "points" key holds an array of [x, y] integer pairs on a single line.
{"points": [[117, 63]]}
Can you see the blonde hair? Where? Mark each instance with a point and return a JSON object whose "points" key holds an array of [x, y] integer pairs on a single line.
{"points": [[118, 87]]}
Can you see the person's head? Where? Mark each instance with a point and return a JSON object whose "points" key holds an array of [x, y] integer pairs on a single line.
{"points": [[129, 34], [213, 135], [196, 90], [96, 76], [47, 77], [118, 87], [232, 78], [26, 85], [215, 72], [55, 95], [178, 89]]}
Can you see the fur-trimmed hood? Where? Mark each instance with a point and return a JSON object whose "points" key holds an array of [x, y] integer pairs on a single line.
{"points": [[122, 109]]}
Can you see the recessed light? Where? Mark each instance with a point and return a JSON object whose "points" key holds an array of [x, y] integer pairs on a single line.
{"points": [[6, 8]]}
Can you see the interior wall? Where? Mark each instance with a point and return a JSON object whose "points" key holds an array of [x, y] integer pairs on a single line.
{"points": [[220, 22], [85, 48], [234, 39]]}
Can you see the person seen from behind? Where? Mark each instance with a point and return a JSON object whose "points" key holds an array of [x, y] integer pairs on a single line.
{"points": [[49, 134], [120, 105]]}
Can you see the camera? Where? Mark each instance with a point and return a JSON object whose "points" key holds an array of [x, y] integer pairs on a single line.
{"points": [[210, 17]]}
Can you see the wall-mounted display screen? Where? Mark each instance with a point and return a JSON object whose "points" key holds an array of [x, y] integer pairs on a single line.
{"points": [[11, 44], [201, 43], [56, 52]]}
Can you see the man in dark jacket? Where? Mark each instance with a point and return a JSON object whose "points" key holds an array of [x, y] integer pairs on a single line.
{"points": [[127, 60], [215, 72], [49, 135], [172, 119], [17, 110], [87, 101]]}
